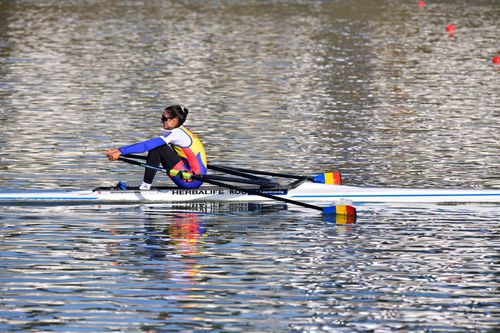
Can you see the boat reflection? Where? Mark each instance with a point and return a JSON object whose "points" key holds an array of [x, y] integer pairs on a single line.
{"points": [[243, 207], [216, 207]]}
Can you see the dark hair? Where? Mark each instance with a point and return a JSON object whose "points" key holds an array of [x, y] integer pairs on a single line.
{"points": [[177, 111]]}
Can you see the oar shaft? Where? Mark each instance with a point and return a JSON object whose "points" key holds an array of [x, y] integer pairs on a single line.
{"points": [[205, 178], [144, 165], [232, 171], [247, 173], [257, 172]]}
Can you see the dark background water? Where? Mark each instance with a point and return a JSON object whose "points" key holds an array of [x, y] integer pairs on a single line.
{"points": [[377, 89]]}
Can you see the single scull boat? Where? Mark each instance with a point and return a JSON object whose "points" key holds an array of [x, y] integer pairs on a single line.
{"points": [[306, 191], [250, 186]]}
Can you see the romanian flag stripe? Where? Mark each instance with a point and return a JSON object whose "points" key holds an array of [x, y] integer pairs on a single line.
{"points": [[340, 210]]}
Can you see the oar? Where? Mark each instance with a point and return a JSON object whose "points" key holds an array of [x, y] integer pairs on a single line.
{"points": [[331, 210], [205, 178], [324, 178]]}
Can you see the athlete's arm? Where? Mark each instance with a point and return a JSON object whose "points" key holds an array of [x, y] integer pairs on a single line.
{"points": [[142, 147]]}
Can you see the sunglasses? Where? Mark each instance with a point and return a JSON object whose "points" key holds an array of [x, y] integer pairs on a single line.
{"points": [[164, 119]]}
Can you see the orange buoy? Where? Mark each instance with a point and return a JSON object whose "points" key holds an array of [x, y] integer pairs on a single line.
{"points": [[451, 29]]}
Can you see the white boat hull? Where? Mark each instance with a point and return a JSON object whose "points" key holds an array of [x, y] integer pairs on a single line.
{"points": [[306, 192], [399, 195]]}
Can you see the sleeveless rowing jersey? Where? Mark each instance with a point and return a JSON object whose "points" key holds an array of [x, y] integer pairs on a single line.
{"points": [[190, 149], [185, 144]]}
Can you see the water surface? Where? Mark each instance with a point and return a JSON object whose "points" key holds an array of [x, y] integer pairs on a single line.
{"points": [[378, 90]]}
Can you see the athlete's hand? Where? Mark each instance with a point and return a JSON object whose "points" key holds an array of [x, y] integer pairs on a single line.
{"points": [[113, 153]]}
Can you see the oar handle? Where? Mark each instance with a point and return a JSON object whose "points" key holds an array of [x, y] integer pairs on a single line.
{"points": [[140, 157]]}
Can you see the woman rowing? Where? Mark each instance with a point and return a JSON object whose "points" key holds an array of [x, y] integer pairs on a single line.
{"points": [[177, 148]]}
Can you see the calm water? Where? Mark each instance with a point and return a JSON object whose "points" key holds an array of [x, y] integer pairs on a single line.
{"points": [[377, 89]]}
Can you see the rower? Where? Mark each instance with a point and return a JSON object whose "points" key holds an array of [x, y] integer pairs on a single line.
{"points": [[177, 148]]}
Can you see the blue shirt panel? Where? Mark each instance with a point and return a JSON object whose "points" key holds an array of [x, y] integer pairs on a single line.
{"points": [[143, 146]]}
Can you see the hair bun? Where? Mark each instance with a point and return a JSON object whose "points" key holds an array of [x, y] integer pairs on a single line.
{"points": [[184, 110]]}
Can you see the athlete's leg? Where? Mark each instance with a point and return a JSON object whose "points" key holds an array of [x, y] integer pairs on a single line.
{"points": [[164, 155], [169, 160]]}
